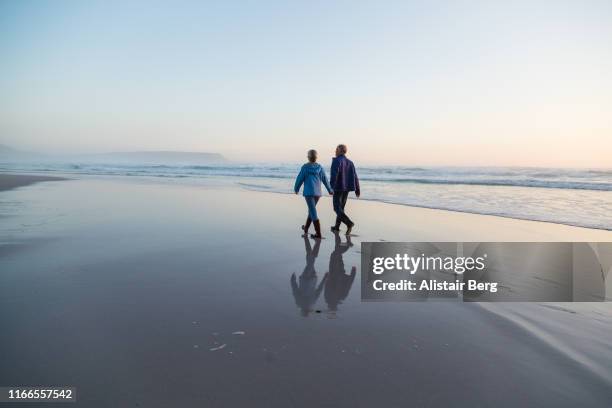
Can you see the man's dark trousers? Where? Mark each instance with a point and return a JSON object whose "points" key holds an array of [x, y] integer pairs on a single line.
{"points": [[339, 203]]}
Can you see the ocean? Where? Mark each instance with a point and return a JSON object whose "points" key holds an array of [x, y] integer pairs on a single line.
{"points": [[579, 197]]}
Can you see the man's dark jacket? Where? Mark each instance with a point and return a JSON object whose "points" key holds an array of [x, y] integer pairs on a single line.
{"points": [[343, 175]]}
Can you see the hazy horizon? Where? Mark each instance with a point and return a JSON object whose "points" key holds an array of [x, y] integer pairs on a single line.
{"points": [[401, 83], [87, 156]]}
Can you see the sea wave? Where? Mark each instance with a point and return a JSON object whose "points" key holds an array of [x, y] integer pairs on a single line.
{"points": [[590, 179], [572, 185], [567, 196]]}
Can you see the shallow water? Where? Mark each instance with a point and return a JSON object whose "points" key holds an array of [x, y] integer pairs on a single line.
{"points": [[581, 197]]}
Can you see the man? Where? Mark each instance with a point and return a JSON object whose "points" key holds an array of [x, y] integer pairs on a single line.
{"points": [[343, 180]]}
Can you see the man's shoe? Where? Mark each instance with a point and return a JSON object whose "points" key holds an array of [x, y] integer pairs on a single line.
{"points": [[349, 229]]}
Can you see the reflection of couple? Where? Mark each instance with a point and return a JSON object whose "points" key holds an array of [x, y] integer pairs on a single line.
{"points": [[336, 282], [342, 181]]}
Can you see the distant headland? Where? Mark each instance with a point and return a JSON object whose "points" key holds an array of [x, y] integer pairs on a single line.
{"points": [[161, 157], [9, 154]]}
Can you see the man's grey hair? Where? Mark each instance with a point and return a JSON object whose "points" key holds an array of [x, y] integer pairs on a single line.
{"points": [[342, 148]]}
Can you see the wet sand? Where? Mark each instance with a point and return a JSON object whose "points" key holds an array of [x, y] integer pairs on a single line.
{"points": [[10, 181], [131, 290]]}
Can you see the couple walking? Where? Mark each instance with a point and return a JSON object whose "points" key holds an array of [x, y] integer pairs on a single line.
{"points": [[343, 180]]}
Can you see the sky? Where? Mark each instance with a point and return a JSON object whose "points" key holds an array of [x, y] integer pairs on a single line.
{"points": [[508, 83]]}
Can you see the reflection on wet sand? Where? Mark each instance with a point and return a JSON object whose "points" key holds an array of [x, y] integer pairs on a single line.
{"points": [[338, 284], [306, 292]]}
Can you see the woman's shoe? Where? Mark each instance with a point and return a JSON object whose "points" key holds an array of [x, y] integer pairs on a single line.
{"points": [[306, 226], [317, 225]]}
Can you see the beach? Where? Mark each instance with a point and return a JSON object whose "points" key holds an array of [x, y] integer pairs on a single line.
{"points": [[10, 181], [141, 292]]}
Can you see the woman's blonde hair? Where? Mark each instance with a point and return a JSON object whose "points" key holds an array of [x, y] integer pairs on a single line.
{"points": [[312, 156]]}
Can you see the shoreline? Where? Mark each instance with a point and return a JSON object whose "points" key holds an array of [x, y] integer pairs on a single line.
{"points": [[9, 180], [12, 181], [455, 211]]}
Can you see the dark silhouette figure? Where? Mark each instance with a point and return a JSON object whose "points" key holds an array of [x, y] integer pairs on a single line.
{"points": [[306, 292], [338, 284], [343, 180]]}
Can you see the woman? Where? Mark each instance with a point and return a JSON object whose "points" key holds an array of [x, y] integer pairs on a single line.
{"points": [[311, 175]]}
